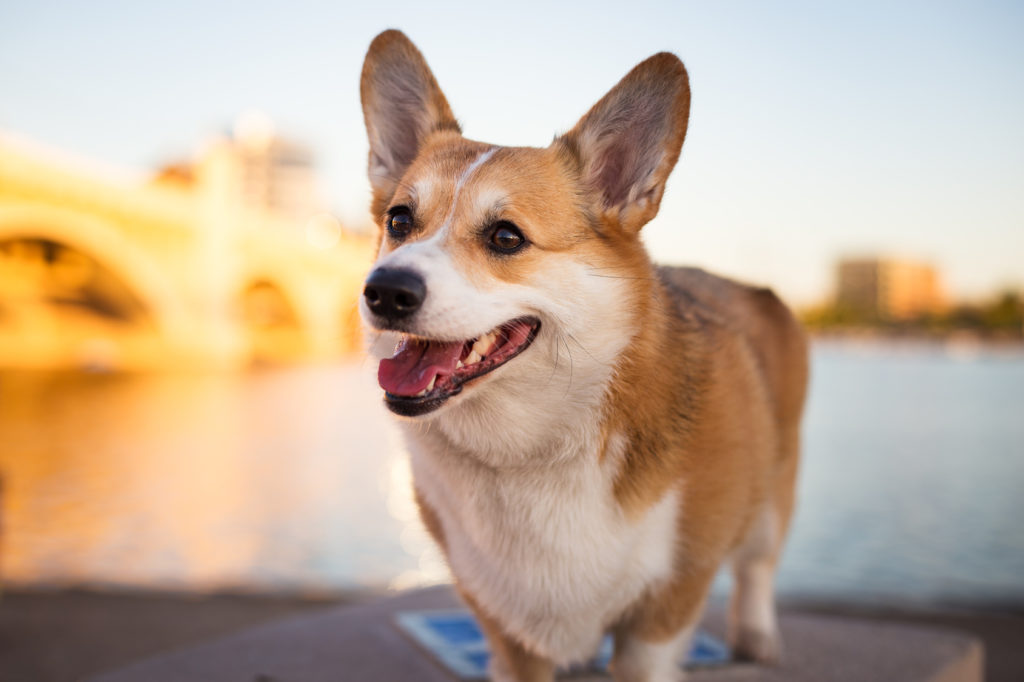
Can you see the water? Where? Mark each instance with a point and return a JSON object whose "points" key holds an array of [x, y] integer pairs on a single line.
{"points": [[295, 479], [912, 480]]}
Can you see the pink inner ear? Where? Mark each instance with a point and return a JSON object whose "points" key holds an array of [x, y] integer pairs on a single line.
{"points": [[401, 116], [629, 149], [617, 165]]}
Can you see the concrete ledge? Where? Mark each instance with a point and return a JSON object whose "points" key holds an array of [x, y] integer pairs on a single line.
{"points": [[361, 643]]}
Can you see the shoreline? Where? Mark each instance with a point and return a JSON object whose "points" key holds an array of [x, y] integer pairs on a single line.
{"points": [[869, 336]]}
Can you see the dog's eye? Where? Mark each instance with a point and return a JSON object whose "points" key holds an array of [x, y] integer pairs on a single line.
{"points": [[399, 222], [506, 237]]}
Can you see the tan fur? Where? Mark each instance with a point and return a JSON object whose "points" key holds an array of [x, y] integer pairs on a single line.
{"points": [[732, 368], [702, 404]]}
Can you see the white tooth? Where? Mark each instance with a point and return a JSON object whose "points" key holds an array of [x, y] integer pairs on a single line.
{"points": [[483, 344], [423, 392], [430, 386], [472, 358], [459, 365]]}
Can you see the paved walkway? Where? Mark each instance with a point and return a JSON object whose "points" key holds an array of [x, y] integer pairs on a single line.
{"points": [[362, 643]]}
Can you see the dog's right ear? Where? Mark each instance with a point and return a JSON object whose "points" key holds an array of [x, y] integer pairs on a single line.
{"points": [[402, 106]]}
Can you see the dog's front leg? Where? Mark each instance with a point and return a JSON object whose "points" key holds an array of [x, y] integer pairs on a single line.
{"points": [[651, 644], [640, 660], [510, 660]]}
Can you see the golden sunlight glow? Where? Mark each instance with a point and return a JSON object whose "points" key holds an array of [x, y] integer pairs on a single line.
{"points": [[431, 568], [210, 263], [323, 231]]}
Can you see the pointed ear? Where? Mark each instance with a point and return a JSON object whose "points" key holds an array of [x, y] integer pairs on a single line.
{"points": [[628, 143], [402, 106]]}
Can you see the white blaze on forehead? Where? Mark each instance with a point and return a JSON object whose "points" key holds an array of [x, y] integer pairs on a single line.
{"points": [[471, 168], [423, 187], [461, 182]]}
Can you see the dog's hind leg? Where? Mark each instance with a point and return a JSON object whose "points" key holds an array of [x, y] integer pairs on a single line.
{"points": [[753, 626], [753, 631]]}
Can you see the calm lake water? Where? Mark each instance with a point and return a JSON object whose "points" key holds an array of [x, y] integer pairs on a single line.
{"points": [[911, 488]]}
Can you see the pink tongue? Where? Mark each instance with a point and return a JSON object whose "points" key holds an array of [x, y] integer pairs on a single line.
{"points": [[415, 363]]}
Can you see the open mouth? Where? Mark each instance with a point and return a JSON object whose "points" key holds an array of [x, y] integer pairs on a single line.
{"points": [[424, 373]]}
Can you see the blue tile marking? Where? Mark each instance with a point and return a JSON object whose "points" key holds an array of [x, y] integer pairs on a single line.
{"points": [[480, 660], [454, 638], [456, 630], [707, 650], [467, 656]]}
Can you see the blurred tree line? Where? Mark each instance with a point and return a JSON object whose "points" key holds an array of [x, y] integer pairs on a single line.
{"points": [[1001, 317]]}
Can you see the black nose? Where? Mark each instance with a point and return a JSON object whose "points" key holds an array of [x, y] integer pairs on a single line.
{"points": [[394, 293]]}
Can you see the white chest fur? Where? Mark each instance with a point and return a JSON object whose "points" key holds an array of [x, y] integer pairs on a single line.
{"points": [[546, 549]]}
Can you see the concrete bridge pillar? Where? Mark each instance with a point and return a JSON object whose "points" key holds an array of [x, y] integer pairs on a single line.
{"points": [[213, 284]]}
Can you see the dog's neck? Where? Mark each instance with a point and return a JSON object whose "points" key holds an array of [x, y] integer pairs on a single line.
{"points": [[658, 408]]}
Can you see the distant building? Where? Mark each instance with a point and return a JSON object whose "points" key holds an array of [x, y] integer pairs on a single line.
{"points": [[264, 171], [888, 288], [277, 175]]}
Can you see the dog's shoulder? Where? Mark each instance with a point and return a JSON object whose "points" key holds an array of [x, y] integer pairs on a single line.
{"points": [[717, 305]]}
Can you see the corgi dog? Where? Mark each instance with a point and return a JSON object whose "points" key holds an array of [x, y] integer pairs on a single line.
{"points": [[591, 436]]}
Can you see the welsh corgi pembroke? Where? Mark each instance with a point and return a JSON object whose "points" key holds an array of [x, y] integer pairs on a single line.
{"points": [[591, 436]]}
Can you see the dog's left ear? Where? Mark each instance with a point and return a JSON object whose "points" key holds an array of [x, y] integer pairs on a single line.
{"points": [[402, 106], [628, 143]]}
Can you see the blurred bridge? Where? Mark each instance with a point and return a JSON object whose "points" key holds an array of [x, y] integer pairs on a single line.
{"points": [[181, 269]]}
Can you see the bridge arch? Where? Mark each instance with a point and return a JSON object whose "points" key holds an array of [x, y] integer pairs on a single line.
{"points": [[103, 242], [273, 323]]}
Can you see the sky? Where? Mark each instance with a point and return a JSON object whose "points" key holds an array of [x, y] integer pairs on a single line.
{"points": [[817, 129]]}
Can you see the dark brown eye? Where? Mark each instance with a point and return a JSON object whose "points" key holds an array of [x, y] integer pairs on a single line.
{"points": [[506, 237], [399, 222]]}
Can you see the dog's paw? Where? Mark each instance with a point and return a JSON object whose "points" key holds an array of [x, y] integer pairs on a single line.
{"points": [[759, 646]]}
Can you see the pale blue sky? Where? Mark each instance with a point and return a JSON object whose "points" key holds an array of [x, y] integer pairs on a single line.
{"points": [[817, 129]]}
